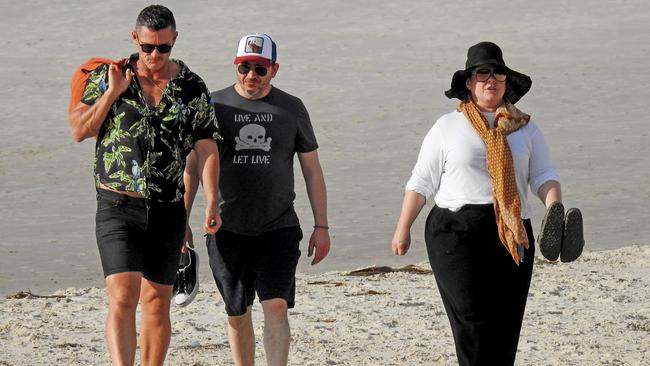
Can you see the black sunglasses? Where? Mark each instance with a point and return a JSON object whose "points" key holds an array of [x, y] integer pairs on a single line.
{"points": [[484, 73], [246, 68], [162, 48]]}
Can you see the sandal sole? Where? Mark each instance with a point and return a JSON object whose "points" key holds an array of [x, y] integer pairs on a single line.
{"points": [[551, 233], [573, 240]]}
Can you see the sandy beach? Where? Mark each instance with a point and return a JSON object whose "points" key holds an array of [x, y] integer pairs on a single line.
{"points": [[372, 76], [590, 312]]}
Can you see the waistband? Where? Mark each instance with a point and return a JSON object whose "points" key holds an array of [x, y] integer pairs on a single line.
{"points": [[481, 207], [137, 201]]}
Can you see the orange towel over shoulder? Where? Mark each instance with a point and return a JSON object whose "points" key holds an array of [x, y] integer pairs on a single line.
{"points": [[81, 74]]}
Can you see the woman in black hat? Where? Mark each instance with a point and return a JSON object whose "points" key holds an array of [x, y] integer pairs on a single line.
{"points": [[477, 163]]}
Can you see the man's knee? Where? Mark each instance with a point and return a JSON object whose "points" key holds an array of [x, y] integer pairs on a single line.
{"points": [[239, 321], [123, 291], [155, 306], [276, 308], [123, 303], [155, 299]]}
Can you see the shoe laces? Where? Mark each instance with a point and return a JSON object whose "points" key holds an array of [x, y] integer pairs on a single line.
{"points": [[182, 287], [183, 281]]}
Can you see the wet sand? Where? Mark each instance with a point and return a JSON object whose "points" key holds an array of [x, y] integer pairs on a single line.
{"points": [[372, 77]]}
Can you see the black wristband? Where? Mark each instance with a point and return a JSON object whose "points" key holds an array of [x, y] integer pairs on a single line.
{"points": [[321, 227]]}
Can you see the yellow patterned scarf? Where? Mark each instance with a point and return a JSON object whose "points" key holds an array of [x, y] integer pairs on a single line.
{"points": [[507, 205]]}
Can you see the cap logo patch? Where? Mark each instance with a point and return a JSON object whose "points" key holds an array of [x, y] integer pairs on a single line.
{"points": [[254, 45]]}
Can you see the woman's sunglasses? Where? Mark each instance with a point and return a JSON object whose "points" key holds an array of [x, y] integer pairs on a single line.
{"points": [[162, 48], [246, 68], [483, 74]]}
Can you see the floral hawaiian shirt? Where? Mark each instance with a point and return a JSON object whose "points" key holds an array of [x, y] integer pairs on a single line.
{"points": [[142, 148]]}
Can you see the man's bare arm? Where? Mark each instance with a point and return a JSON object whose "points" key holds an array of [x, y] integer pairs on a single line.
{"points": [[319, 242], [207, 159], [86, 120]]}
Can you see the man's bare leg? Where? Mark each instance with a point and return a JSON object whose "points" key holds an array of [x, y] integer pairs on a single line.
{"points": [[123, 294], [156, 326], [277, 334], [242, 338]]}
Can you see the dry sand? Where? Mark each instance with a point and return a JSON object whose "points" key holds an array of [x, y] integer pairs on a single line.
{"points": [[590, 312]]}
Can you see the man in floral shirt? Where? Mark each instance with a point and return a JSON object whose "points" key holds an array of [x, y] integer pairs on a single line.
{"points": [[147, 113]]}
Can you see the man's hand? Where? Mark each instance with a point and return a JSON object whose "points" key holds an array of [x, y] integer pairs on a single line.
{"points": [[118, 81], [319, 245], [188, 241], [212, 221]]}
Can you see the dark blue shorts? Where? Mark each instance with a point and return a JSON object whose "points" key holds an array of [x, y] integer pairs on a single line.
{"points": [[135, 235], [266, 264]]}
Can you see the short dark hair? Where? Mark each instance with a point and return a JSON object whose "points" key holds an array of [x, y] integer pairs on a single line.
{"points": [[156, 17]]}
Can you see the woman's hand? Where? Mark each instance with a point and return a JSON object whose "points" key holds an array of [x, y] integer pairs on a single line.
{"points": [[401, 241]]}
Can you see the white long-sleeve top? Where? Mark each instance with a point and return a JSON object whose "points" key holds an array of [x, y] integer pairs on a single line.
{"points": [[452, 167]]}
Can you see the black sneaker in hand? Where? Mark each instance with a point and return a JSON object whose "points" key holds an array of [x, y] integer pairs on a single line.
{"points": [[187, 279]]}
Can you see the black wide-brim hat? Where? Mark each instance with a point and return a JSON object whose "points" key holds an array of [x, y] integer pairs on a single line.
{"points": [[488, 53]]}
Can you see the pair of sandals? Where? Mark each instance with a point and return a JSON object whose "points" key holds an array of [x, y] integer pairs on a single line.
{"points": [[561, 234]]}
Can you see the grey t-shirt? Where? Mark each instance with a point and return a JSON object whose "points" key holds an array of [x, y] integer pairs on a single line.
{"points": [[260, 138]]}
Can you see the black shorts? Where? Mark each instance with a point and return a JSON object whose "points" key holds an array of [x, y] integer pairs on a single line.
{"points": [[266, 264], [135, 235]]}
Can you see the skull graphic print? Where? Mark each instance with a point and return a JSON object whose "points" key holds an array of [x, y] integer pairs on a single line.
{"points": [[252, 136]]}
